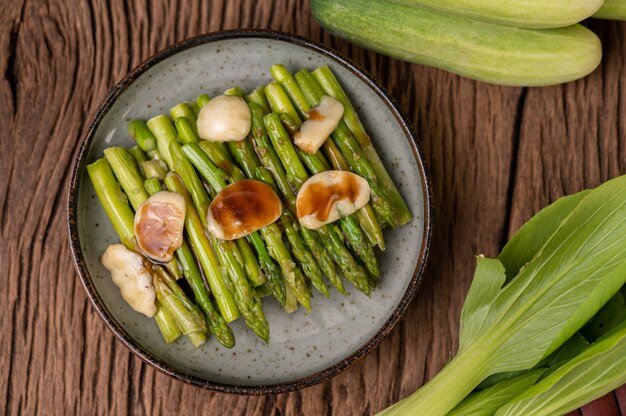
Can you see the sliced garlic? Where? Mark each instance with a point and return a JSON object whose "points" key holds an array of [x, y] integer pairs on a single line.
{"points": [[330, 195], [224, 119], [243, 208], [159, 223], [132, 278], [322, 121]]}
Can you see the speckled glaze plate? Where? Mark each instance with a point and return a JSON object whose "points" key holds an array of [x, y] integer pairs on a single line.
{"points": [[304, 349]]}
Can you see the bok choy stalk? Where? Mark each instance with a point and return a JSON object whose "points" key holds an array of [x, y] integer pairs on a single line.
{"points": [[487, 401], [512, 328]]}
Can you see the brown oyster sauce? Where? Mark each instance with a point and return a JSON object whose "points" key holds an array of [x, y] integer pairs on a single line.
{"points": [[318, 198], [156, 239], [244, 207]]}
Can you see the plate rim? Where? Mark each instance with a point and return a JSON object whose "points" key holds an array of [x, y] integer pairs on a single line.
{"points": [[78, 166]]}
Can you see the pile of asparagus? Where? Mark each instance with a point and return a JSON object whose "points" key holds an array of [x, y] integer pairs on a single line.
{"points": [[223, 280]]}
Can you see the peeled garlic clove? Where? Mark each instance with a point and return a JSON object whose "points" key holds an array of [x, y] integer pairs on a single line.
{"points": [[224, 119], [330, 195], [132, 278], [322, 121], [159, 223], [243, 208]]}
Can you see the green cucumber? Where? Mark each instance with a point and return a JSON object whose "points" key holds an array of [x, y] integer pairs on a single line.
{"points": [[613, 10], [479, 50], [522, 13]]}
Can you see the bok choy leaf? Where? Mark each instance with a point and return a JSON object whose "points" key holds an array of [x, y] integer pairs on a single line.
{"points": [[592, 374]]}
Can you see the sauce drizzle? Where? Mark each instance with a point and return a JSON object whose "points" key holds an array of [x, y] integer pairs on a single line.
{"points": [[319, 198], [244, 207]]}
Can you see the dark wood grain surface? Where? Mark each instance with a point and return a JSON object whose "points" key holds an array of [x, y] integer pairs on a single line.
{"points": [[496, 154]]}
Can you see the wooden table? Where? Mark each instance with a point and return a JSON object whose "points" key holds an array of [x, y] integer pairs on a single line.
{"points": [[496, 154]]}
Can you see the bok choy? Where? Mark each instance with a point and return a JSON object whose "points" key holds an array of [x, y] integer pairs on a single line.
{"points": [[557, 272]]}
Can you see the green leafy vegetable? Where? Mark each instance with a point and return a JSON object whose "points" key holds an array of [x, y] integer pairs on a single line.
{"points": [[595, 372], [486, 402], [511, 328]]}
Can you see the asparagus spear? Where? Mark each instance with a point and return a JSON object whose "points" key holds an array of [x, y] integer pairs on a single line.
{"points": [[142, 135], [166, 323], [294, 169], [165, 133], [118, 210], [306, 93], [249, 306], [202, 100], [217, 324], [139, 156], [271, 234], [200, 244], [132, 183], [189, 320], [129, 177], [258, 97], [244, 155], [331, 86], [279, 101], [268, 157], [350, 149], [204, 253]]}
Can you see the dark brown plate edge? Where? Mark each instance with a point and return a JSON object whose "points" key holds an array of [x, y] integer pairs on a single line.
{"points": [[77, 168]]}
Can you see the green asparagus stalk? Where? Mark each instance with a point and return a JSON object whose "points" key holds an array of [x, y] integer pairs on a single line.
{"points": [[184, 111], [279, 101], [271, 234], [142, 135], [258, 97], [366, 215], [306, 93], [268, 157], [352, 152], [154, 169], [245, 157], [166, 137], [230, 257], [202, 100], [250, 263], [189, 319], [166, 323], [204, 253], [218, 154], [293, 167], [114, 201], [131, 180], [118, 210], [200, 244], [280, 104], [139, 156], [129, 177], [186, 130], [332, 87], [216, 323]]}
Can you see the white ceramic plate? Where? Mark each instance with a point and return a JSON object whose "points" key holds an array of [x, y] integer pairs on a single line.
{"points": [[304, 349]]}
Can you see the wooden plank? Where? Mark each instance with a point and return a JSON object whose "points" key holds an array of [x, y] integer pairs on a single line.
{"points": [[604, 406], [496, 154]]}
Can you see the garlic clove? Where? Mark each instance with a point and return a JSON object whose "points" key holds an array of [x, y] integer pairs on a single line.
{"points": [[322, 121], [224, 118], [159, 224], [132, 278], [329, 196], [243, 208]]}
